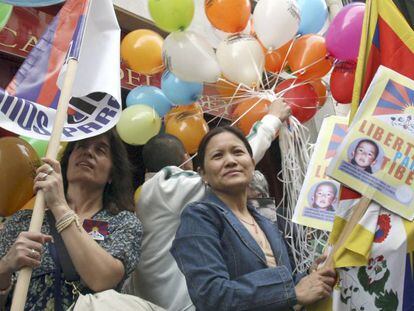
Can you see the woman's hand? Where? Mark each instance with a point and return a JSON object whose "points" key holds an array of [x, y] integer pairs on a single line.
{"points": [[25, 252], [316, 286], [280, 109], [49, 180]]}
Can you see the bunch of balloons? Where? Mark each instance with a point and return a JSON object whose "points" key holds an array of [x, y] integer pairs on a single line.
{"points": [[343, 40], [146, 105], [229, 44]]}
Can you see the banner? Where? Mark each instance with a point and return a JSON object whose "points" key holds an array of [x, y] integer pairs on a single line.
{"points": [[376, 158], [28, 105], [319, 196]]}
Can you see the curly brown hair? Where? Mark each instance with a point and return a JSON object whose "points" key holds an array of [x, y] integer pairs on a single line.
{"points": [[118, 195]]}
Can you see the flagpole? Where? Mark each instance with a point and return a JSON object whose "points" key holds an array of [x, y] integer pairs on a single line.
{"points": [[23, 280]]}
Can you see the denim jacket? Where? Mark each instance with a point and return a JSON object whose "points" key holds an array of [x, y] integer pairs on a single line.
{"points": [[224, 267]]}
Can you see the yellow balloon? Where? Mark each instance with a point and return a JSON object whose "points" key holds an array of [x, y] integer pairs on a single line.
{"points": [[141, 50], [137, 194], [138, 123]]}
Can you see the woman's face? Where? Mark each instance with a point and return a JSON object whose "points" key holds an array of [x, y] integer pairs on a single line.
{"points": [[91, 161], [228, 166]]}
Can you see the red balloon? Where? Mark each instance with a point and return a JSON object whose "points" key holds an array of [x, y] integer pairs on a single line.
{"points": [[342, 82], [302, 98], [5, 133]]}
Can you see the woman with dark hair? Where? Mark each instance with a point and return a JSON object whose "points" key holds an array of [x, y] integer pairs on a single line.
{"points": [[90, 238], [232, 257]]}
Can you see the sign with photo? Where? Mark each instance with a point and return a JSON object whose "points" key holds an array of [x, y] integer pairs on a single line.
{"points": [[376, 157], [319, 196]]}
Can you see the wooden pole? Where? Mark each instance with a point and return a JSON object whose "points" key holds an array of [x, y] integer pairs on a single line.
{"points": [[23, 280]]}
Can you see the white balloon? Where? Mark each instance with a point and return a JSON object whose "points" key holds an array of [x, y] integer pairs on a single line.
{"points": [[276, 21], [241, 59], [190, 57]]}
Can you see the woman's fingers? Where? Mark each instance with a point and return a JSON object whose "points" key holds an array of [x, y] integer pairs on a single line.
{"points": [[53, 164]]}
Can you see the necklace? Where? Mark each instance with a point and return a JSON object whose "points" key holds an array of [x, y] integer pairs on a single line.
{"points": [[253, 223]]}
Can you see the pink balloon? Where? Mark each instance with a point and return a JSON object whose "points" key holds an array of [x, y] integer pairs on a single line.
{"points": [[344, 33]]}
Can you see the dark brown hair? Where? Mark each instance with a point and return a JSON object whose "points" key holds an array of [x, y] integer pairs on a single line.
{"points": [[214, 132], [118, 195]]}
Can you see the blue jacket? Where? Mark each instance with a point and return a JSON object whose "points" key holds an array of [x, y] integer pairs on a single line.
{"points": [[224, 267]]}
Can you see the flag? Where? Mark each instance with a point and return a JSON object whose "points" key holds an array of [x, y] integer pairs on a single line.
{"points": [[32, 3], [85, 30], [376, 259], [387, 39]]}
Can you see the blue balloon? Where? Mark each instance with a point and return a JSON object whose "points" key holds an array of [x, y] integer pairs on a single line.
{"points": [[313, 15], [150, 96], [33, 3], [178, 91]]}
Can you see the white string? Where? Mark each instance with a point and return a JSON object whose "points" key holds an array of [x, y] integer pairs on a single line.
{"points": [[304, 243]]}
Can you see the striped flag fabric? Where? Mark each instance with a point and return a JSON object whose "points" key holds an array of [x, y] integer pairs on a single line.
{"points": [[85, 30]]}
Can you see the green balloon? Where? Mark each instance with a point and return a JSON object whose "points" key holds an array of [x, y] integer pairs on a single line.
{"points": [[40, 146], [137, 124], [171, 15], [5, 12]]}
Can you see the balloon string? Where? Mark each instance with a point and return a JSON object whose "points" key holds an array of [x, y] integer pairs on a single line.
{"points": [[304, 242], [284, 63]]}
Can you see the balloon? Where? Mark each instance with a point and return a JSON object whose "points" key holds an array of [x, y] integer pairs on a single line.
{"points": [[137, 194], [228, 15], [194, 109], [321, 91], [5, 13], [190, 57], [229, 89], [4, 133], [19, 162], [171, 15], [308, 57], [190, 129], [29, 204], [260, 109], [342, 82], [241, 59], [313, 14], [276, 22], [138, 124], [178, 91], [302, 98], [344, 32], [40, 146], [150, 96], [276, 60], [141, 50]]}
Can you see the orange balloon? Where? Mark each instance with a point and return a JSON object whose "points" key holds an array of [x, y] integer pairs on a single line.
{"points": [[190, 129], [229, 89], [141, 50], [274, 59], [17, 170], [180, 111], [30, 204], [308, 57], [260, 109], [228, 15], [321, 91]]}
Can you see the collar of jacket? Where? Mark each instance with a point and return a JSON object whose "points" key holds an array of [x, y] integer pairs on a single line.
{"points": [[269, 229]]}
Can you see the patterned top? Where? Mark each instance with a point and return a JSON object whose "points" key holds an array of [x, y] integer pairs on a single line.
{"points": [[123, 242]]}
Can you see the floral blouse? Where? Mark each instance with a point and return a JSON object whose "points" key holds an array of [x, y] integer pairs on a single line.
{"points": [[47, 284]]}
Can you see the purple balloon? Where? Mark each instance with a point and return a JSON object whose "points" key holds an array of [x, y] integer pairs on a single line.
{"points": [[344, 33]]}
